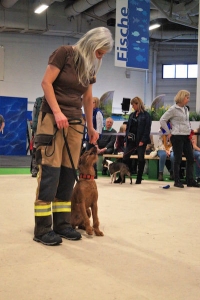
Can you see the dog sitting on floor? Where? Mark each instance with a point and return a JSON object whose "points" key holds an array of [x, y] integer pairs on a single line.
{"points": [[117, 167], [85, 195]]}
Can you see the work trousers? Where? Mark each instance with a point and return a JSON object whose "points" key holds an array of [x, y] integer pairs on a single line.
{"points": [[56, 175]]}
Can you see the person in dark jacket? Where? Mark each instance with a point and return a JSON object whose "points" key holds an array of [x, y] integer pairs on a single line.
{"points": [[137, 136]]}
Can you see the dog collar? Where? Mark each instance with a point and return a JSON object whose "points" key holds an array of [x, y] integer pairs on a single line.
{"points": [[86, 176]]}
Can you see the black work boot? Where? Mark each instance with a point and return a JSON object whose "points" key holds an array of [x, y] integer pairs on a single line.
{"points": [[50, 239], [43, 232], [62, 226]]}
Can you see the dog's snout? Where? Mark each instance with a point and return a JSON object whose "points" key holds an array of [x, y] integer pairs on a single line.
{"points": [[93, 150]]}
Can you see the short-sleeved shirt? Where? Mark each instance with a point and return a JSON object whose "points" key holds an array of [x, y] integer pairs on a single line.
{"points": [[68, 90]]}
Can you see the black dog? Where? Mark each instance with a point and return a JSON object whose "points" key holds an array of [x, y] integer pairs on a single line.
{"points": [[117, 167]]}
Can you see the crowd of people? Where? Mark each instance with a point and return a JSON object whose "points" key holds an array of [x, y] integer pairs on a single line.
{"points": [[134, 138]]}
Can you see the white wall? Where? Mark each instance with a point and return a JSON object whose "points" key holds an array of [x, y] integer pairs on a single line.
{"points": [[26, 58]]}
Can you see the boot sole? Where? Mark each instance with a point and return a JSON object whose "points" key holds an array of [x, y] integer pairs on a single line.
{"points": [[47, 244], [68, 238]]}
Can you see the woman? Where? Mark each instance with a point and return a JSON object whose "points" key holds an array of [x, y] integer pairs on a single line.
{"points": [[178, 116], [137, 136], [97, 124], [67, 84]]}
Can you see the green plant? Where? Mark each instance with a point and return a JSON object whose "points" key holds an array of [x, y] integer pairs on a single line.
{"points": [[156, 114], [194, 116]]}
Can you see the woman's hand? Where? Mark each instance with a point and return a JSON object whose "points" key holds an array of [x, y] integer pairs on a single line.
{"points": [[167, 152], [141, 144], [93, 136], [169, 136], [61, 120]]}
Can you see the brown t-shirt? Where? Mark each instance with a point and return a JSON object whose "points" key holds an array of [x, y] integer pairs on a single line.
{"points": [[68, 90]]}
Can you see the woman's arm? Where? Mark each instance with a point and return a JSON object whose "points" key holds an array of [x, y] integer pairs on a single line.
{"points": [[165, 118], [99, 119], [50, 75], [88, 109]]}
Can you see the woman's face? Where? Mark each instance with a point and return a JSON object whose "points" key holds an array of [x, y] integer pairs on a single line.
{"points": [[186, 100], [94, 104], [135, 106], [100, 53]]}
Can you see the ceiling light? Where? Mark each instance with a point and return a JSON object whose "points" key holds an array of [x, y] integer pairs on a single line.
{"points": [[41, 8], [154, 26]]}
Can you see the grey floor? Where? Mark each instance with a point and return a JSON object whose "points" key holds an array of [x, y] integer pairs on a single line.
{"points": [[150, 251]]}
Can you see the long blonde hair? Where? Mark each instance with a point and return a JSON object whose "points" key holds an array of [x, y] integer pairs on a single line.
{"points": [[86, 63], [139, 102]]}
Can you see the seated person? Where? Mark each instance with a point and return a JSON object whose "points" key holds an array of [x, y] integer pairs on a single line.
{"points": [[119, 143], [105, 145], [149, 148], [196, 149], [164, 150]]}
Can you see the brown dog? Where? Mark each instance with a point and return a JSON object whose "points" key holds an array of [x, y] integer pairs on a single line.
{"points": [[85, 195]]}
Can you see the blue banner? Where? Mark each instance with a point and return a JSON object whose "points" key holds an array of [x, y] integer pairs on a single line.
{"points": [[132, 33]]}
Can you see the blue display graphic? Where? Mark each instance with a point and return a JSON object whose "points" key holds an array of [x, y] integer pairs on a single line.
{"points": [[14, 137], [138, 36], [132, 33]]}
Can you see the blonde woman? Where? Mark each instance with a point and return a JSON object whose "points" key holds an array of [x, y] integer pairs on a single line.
{"points": [[67, 84], [178, 116]]}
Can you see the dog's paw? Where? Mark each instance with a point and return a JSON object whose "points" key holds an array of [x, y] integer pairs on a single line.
{"points": [[89, 231], [98, 232]]}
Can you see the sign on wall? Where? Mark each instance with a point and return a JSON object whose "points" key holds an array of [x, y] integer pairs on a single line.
{"points": [[13, 139], [132, 33]]}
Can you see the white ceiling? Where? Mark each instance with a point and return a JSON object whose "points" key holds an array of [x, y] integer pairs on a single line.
{"points": [[179, 18]]}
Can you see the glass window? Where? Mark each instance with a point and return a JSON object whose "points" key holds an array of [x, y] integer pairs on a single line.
{"points": [[181, 71], [192, 71], [168, 71]]}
